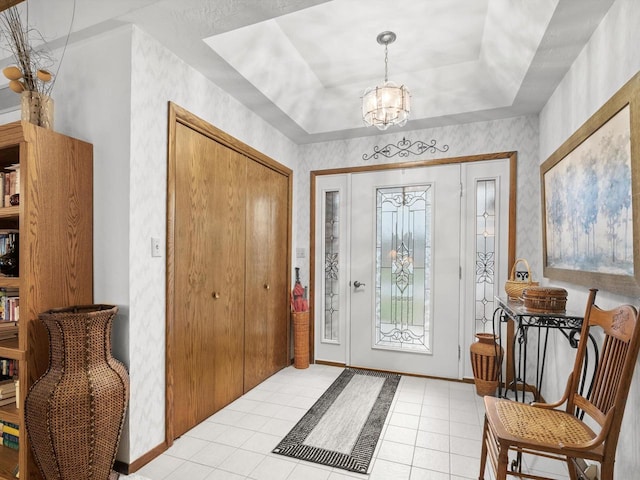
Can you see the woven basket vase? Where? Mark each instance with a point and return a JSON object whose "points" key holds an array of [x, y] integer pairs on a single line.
{"points": [[486, 361], [301, 339], [74, 413]]}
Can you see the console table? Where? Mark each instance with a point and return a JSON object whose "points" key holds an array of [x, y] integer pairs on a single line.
{"points": [[568, 323]]}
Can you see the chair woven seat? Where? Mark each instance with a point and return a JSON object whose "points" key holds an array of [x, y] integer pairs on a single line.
{"points": [[552, 427], [565, 430]]}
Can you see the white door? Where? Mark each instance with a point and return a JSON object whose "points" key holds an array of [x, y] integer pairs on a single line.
{"points": [[481, 230], [405, 270]]}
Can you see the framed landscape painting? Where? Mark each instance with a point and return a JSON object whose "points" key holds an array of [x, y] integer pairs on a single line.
{"points": [[590, 210]]}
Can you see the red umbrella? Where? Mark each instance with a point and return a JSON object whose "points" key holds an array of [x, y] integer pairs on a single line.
{"points": [[298, 301]]}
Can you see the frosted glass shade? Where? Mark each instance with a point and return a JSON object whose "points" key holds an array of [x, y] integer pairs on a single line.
{"points": [[386, 105]]}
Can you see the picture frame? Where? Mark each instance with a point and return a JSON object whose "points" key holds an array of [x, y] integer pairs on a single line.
{"points": [[590, 190]]}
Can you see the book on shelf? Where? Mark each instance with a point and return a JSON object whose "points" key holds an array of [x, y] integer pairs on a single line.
{"points": [[15, 170], [8, 368], [10, 441], [8, 393], [9, 306], [8, 239], [6, 305], [11, 309], [10, 434], [10, 428], [7, 401], [10, 183], [8, 330], [7, 189], [7, 386]]}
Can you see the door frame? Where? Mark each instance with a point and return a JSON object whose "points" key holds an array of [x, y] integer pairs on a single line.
{"points": [[178, 115], [512, 156]]}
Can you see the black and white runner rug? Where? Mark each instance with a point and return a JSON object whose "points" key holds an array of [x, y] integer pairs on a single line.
{"points": [[343, 427]]}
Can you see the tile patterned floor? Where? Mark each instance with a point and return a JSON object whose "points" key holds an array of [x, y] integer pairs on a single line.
{"points": [[433, 432]]}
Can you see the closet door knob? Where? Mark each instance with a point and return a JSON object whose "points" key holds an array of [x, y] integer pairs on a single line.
{"points": [[215, 295]]}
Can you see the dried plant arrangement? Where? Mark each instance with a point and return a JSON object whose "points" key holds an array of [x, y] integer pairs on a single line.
{"points": [[32, 70]]}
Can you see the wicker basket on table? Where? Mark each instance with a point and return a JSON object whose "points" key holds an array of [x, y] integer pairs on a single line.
{"points": [[514, 287], [545, 299]]}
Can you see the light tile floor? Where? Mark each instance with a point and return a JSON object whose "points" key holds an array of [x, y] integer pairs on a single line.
{"points": [[433, 432]]}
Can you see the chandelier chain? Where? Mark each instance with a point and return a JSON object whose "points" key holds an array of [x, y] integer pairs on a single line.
{"points": [[386, 62]]}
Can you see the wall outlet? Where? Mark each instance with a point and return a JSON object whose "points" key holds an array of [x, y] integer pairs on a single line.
{"points": [[155, 247]]}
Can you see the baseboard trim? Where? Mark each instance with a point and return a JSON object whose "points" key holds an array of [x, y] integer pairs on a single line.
{"points": [[343, 365], [331, 364], [127, 468]]}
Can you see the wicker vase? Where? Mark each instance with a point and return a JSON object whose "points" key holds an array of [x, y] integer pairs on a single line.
{"points": [[486, 360], [301, 339], [74, 413], [37, 108]]}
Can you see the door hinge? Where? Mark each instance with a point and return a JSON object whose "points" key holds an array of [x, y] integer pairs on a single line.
{"points": [[460, 272], [461, 189], [459, 354]]}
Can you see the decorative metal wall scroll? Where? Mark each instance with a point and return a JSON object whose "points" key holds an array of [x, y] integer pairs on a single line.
{"points": [[404, 148]]}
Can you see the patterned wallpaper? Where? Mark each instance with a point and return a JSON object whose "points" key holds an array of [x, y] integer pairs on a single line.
{"points": [[594, 77], [117, 97], [157, 77], [519, 134], [85, 109]]}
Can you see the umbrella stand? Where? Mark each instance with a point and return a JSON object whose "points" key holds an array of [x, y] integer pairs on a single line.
{"points": [[300, 339], [300, 317]]}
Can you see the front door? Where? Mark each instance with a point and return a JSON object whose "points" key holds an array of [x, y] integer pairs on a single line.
{"points": [[428, 247], [405, 270]]}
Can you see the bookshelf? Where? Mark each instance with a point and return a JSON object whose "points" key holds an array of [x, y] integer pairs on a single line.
{"points": [[55, 223]]}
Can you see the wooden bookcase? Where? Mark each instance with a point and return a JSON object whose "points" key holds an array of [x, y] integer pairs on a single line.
{"points": [[55, 221]]}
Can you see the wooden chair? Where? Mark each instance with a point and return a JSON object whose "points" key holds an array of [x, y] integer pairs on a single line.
{"points": [[561, 433]]}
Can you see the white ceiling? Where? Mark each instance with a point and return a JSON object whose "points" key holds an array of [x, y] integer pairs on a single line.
{"points": [[303, 64]]}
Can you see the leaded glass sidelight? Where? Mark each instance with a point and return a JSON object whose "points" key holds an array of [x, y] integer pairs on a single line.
{"points": [[485, 233], [331, 266], [403, 268]]}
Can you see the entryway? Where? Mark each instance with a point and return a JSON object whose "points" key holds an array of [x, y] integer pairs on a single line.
{"points": [[406, 263]]}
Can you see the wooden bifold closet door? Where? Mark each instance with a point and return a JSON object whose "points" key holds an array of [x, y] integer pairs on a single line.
{"points": [[209, 282], [228, 264], [266, 274]]}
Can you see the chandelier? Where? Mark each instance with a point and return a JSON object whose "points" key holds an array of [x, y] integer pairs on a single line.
{"points": [[387, 104]]}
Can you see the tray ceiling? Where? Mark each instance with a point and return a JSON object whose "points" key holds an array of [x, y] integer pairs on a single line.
{"points": [[303, 64]]}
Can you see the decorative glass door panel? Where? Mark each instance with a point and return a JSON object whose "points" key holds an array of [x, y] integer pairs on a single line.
{"points": [[485, 234], [403, 268], [332, 268], [331, 247]]}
